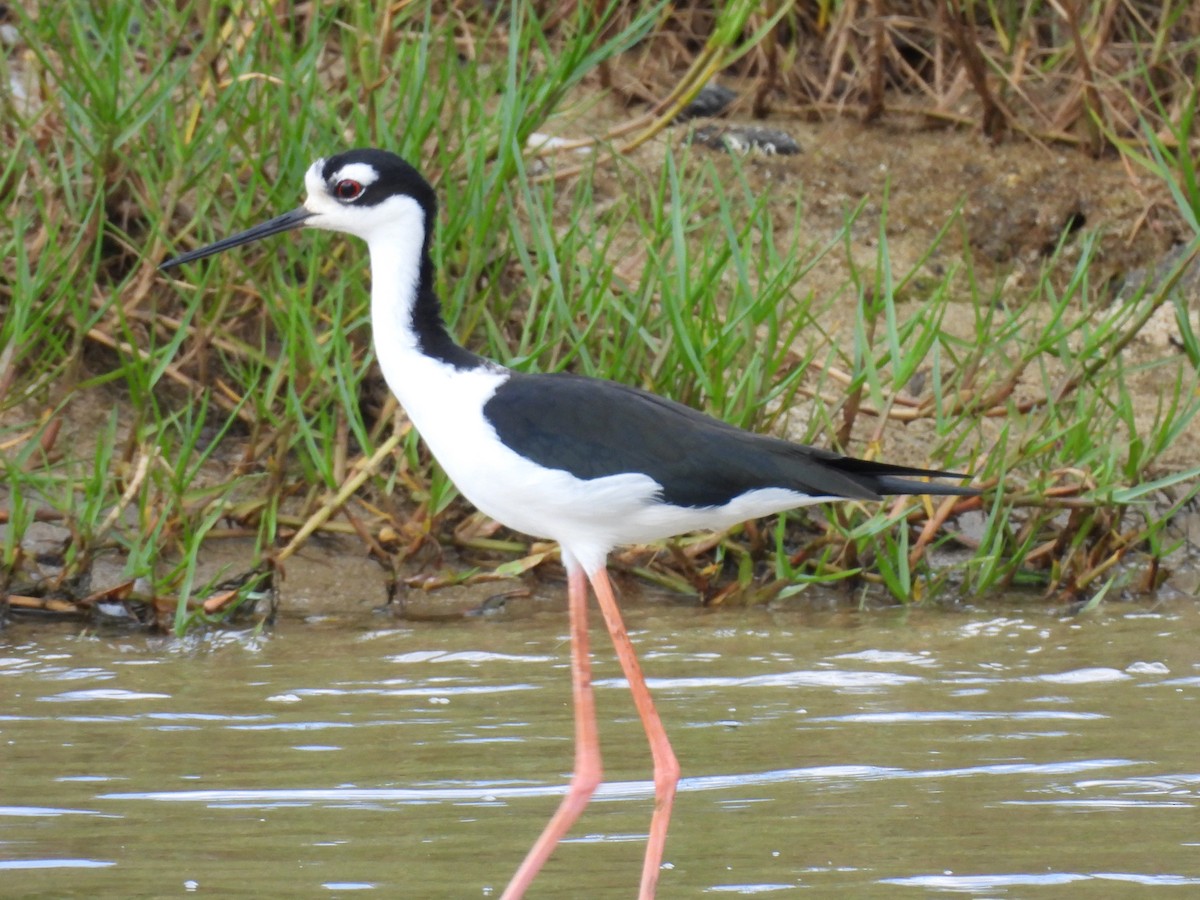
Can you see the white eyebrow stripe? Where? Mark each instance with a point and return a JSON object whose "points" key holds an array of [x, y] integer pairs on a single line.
{"points": [[364, 173]]}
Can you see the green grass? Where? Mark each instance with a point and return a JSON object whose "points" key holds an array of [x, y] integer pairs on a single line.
{"points": [[146, 417]]}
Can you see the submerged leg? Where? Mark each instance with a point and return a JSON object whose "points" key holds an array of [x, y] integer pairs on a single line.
{"points": [[587, 744], [666, 767]]}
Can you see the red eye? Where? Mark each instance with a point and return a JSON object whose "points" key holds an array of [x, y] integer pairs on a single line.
{"points": [[347, 189]]}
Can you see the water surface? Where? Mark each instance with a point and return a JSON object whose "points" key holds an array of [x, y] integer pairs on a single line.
{"points": [[985, 753]]}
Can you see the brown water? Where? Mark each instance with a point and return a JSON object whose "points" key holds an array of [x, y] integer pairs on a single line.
{"points": [[984, 753]]}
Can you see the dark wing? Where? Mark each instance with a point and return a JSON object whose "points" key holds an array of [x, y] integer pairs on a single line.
{"points": [[592, 428]]}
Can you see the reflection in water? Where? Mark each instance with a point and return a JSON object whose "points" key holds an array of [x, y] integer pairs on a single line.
{"points": [[490, 792], [856, 755]]}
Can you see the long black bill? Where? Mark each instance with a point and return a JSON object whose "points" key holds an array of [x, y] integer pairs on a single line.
{"points": [[286, 222]]}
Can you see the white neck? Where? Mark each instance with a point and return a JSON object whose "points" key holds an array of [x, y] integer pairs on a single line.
{"points": [[395, 274], [429, 387]]}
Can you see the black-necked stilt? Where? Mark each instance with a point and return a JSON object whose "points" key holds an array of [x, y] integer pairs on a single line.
{"points": [[589, 463]]}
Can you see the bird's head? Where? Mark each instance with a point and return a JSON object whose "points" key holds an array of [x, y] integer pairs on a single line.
{"points": [[367, 193]]}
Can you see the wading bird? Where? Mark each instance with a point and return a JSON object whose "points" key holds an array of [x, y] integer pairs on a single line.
{"points": [[588, 463]]}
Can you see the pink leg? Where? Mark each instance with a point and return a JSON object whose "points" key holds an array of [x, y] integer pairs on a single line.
{"points": [[587, 744], [666, 767]]}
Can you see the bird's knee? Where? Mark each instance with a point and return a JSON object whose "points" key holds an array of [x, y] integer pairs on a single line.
{"points": [[586, 780], [666, 775]]}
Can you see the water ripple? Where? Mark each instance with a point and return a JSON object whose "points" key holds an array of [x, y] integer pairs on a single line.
{"points": [[977, 883], [8, 865], [834, 678], [50, 812], [961, 716], [495, 791], [102, 695], [1095, 674]]}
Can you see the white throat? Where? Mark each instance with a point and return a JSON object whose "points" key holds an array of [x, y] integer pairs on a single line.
{"points": [[395, 275]]}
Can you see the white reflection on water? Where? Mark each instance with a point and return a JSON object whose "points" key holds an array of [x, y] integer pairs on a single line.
{"points": [[971, 884], [495, 791]]}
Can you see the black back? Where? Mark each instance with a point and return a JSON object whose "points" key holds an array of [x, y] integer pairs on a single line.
{"points": [[593, 428]]}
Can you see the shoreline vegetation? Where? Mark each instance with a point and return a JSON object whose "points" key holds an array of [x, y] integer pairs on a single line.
{"points": [[147, 419]]}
